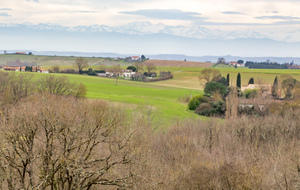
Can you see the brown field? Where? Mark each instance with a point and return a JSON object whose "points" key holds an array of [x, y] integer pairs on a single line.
{"points": [[167, 63]]}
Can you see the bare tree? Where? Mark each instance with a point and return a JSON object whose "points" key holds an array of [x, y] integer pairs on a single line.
{"points": [[61, 143], [207, 75], [149, 66], [60, 86], [232, 103], [16, 86], [102, 67], [115, 70], [138, 66], [81, 63]]}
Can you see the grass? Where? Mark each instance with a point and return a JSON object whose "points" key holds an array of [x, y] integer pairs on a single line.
{"points": [[189, 78], [49, 61], [131, 95]]}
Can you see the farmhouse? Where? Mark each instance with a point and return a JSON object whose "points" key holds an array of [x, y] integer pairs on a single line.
{"points": [[233, 63], [21, 53], [14, 68], [135, 58], [42, 71], [128, 73], [23, 69], [258, 102], [265, 89]]}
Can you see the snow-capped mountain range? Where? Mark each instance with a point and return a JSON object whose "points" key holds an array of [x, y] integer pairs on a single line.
{"points": [[146, 28], [148, 38]]}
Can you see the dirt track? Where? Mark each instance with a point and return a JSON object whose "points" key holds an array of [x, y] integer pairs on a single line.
{"points": [[166, 63]]}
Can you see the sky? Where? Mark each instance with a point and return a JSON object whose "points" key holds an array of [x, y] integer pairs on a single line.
{"points": [[220, 14], [277, 19]]}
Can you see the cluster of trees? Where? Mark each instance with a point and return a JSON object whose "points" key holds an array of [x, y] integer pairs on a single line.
{"points": [[216, 88], [265, 65], [149, 69], [58, 142], [14, 87], [286, 86]]}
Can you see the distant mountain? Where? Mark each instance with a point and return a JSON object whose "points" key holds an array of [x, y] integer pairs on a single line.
{"points": [[178, 57], [142, 38], [145, 28]]}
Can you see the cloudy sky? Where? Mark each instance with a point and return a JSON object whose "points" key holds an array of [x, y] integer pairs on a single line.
{"points": [[212, 13]]}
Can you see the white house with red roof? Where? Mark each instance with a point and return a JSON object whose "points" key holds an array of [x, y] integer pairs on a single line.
{"points": [[135, 58]]}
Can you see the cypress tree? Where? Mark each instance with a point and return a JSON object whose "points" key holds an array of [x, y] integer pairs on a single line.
{"points": [[251, 81], [275, 87], [238, 80], [227, 80]]}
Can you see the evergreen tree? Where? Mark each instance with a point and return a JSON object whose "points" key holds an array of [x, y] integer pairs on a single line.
{"points": [[143, 57], [227, 80], [251, 81], [238, 80], [275, 87]]}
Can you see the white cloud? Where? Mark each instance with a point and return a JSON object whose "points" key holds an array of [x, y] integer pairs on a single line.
{"points": [[4, 15], [218, 14], [168, 14]]}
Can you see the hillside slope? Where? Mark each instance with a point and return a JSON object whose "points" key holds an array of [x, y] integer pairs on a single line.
{"points": [[167, 63]]}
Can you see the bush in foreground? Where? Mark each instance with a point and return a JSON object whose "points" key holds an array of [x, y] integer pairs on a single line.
{"points": [[196, 101]]}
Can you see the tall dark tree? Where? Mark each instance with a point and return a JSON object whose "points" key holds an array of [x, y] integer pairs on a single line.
{"points": [[238, 80], [275, 87], [240, 61], [251, 81], [143, 57], [227, 79]]}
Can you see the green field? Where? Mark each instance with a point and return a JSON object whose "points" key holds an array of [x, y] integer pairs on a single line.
{"points": [[130, 95], [188, 78], [162, 97], [49, 61]]}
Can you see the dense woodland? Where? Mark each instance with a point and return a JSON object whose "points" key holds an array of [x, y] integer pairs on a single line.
{"points": [[52, 140]]}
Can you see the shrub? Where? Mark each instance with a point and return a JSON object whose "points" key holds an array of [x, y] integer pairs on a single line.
{"points": [[92, 73], [196, 101], [133, 68], [150, 74], [100, 71], [211, 109], [60, 86], [55, 69], [203, 109], [251, 93], [70, 71]]}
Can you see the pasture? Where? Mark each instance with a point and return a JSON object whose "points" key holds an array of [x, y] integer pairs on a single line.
{"points": [[162, 101], [162, 97]]}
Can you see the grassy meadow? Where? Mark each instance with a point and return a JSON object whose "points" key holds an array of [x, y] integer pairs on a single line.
{"points": [[162, 97], [162, 100]]}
